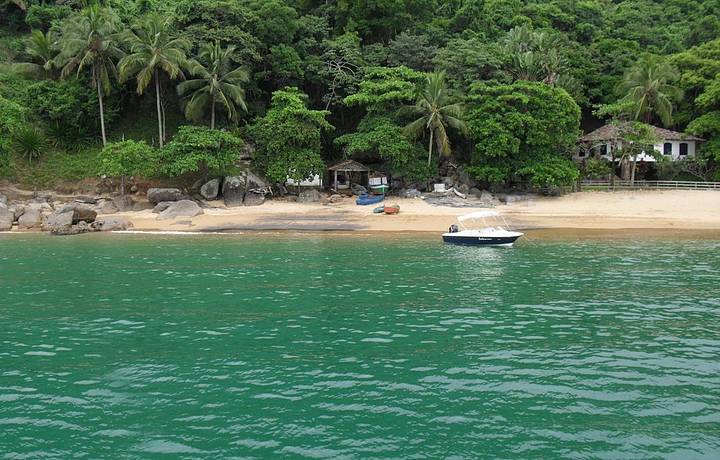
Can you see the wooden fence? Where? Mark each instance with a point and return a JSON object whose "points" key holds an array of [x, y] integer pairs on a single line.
{"points": [[648, 184]]}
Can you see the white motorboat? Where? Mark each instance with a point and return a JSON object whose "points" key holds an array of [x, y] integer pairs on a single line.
{"points": [[468, 232]]}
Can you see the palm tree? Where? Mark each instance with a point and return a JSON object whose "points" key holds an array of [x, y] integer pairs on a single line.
{"points": [[649, 87], [89, 42], [42, 51], [215, 83], [153, 49], [436, 113]]}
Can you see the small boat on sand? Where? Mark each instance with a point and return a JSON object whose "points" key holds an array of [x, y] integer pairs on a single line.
{"points": [[392, 209], [379, 210], [484, 234], [366, 199]]}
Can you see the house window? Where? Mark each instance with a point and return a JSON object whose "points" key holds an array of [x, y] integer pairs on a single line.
{"points": [[667, 148], [581, 153], [603, 150], [683, 149]]}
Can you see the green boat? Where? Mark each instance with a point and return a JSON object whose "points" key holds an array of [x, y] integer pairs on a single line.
{"points": [[379, 189]]}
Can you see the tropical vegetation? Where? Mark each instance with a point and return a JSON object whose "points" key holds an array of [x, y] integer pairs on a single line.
{"points": [[502, 89]]}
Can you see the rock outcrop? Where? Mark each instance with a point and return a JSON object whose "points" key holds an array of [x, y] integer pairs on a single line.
{"points": [[111, 224], [59, 222], [156, 195], [31, 217], [182, 208], [246, 189], [210, 189], [80, 212], [6, 218], [309, 196]]}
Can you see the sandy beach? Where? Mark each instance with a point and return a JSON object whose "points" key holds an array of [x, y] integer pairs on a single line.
{"points": [[660, 210]]}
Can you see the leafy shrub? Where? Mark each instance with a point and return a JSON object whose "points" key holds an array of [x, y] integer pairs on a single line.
{"points": [[43, 15], [69, 109], [597, 168], [126, 158], [29, 142], [197, 151], [288, 137]]}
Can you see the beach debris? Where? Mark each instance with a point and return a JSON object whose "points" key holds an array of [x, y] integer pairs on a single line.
{"points": [[210, 189], [156, 195], [182, 208], [309, 196], [6, 217], [335, 198]]}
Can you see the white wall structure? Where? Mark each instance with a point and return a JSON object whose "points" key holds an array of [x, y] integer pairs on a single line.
{"points": [[673, 145]]}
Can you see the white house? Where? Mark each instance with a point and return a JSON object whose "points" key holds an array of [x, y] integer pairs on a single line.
{"points": [[671, 144]]}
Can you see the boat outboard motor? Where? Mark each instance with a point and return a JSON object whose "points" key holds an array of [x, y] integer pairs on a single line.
{"points": [[453, 229]]}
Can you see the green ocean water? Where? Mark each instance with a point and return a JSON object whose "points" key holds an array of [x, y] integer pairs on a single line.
{"points": [[324, 346]]}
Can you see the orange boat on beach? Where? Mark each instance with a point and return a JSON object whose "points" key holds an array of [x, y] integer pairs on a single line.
{"points": [[392, 209]]}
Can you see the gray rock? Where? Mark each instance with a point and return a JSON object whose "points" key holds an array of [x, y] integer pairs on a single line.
{"points": [[476, 192], [31, 218], [106, 207], [487, 197], [335, 198], [3, 199], [410, 193], [254, 199], [123, 203], [210, 189], [111, 224], [462, 188], [235, 188], [309, 196], [86, 199], [156, 195], [6, 218], [448, 181], [142, 205], [163, 205], [59, 222], [182, 208], [17, 209], [358, 189], [81, 212]]}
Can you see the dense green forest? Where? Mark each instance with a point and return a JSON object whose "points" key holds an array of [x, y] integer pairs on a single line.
{"points": [[177, 89]]}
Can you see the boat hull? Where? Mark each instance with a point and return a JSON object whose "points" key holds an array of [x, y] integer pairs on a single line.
{"points": [[468, 240], [366, 200]]}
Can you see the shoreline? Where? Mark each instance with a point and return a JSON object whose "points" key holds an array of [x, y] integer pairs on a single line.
{"points": [[581, 213]]}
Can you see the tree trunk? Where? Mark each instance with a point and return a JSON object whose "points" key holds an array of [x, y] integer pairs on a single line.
{"points": [[164, 124], [159, 112], [432, 133], [122, 185], [102, 110], [632, 170], [212, 114]]}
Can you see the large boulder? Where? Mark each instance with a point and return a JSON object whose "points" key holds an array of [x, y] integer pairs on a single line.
{"points": [[358, 189], [31, 218], [182, 208], [236, 189], [104, 206], [163, 205], [123, 203], [210, 189], [112, 224], [254, 199], [80, 212], [156, 195], [309, 196], [3, 199], [6, 218], [59, 222]]}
